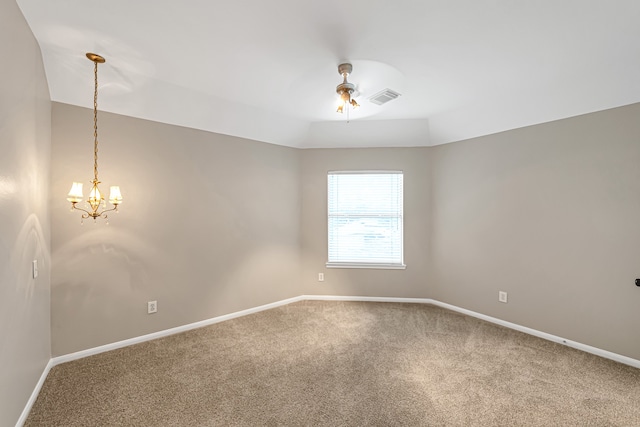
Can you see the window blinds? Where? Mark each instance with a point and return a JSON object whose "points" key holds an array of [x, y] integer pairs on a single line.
{"points": [[365, 217]]}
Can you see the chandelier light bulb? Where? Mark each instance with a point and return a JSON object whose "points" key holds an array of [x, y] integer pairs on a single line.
{"points": [[95, 197], [115, 198], [75, 194]]}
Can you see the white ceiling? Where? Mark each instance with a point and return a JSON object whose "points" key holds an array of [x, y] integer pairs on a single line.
{"points": [[267, 70]]}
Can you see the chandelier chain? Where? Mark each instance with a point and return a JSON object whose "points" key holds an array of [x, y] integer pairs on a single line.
{"points": [[95, 121]]}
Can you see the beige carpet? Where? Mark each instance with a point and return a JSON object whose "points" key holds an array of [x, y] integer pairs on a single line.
{"points": [[318, 363]]}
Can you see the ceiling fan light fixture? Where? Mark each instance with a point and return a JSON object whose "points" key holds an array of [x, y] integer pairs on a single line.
{"points": [[346, 90]]}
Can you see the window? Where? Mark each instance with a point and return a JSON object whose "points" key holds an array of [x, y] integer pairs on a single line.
{"points": [[365, 219]]}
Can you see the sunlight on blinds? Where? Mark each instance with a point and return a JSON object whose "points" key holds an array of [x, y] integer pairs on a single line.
{"points": [[365, 217]]}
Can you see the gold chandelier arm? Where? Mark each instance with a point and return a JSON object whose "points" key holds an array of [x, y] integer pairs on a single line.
{"points": [[114, 208], [94, 215], [86, 214]]}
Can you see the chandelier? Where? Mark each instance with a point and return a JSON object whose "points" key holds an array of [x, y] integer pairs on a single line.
{"points": [[95, 196], [345, 90]]}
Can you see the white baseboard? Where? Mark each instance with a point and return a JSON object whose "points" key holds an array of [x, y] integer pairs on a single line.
{"points": [[365, 299], [34, 394], [108, 347], [579, 346], [160, 334]]}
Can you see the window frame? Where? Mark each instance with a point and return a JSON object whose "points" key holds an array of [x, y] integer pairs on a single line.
{"points": [[363, 264]]}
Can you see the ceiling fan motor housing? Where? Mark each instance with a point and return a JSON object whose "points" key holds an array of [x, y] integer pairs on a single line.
{"points": [[345, 88], [345, 69]]}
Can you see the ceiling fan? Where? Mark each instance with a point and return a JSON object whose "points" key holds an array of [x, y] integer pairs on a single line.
{"points": [[346, 90]]}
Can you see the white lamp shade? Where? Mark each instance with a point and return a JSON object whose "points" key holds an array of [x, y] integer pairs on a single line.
{"points": [[115, 198], [75, 194]]}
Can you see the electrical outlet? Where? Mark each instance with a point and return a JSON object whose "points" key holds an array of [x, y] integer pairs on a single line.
{"points": [[320, 277], [152, 307], [502, 296]]}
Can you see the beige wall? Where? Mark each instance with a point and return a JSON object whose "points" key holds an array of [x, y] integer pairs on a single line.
{"points": [[411, 282], [209, 226], [213, 224], [550, 214], [25, 140]]}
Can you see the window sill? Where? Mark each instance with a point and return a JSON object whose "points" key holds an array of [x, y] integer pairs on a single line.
{"points": [[366, 265]]}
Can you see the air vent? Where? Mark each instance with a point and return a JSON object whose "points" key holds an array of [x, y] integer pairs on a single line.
{"points": [[384, 96]]}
